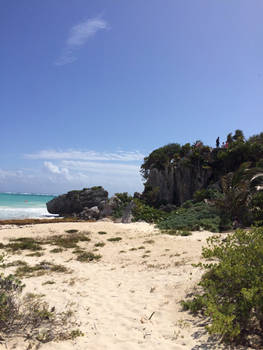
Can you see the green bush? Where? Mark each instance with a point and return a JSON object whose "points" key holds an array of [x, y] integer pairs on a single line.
{"points": [[232, 288], [146, 213], [192, 217], [29, 315], [123, 200], [256, 207]]}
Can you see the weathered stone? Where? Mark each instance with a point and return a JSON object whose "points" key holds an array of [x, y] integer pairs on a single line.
{"points": [[110, 206], [76, 201], [127, 213], [176, 184], [90, 213]]}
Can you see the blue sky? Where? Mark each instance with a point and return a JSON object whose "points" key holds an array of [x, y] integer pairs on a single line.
{"points": [[88, 88]]}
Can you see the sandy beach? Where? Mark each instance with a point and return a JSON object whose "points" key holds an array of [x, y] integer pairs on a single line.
{"points": [[127, 300]]}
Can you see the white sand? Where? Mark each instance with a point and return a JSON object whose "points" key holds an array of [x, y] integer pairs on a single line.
{"points": [[114, 298]]}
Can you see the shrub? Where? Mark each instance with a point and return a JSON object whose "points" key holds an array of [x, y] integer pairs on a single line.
{"points": [[88, 256], [232, 288], [30, 315], [146, 213], [123, 199], [256, 207], [192, 217], [114, 239], [23, 243]]}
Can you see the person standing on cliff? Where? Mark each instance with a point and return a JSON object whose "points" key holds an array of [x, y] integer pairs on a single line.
{"points": [[217, 142]]}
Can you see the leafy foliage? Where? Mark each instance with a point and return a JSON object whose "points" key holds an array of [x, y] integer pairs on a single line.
{"points": [[123, 199], [192, 217], [232, 288], [143, 212], [21, 316]]}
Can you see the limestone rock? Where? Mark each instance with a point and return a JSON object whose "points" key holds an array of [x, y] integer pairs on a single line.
{"points": [[77, 201], [127, 213]]}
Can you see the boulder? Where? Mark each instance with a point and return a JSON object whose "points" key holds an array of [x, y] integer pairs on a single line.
{"points": [[110, 206], [90, 213], [127, 213], [75, 202]]}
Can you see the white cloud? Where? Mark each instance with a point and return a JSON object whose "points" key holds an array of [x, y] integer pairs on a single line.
{"points": [[87, 155], [80, 33], [52, 168], [78, 37], [108, 169]]}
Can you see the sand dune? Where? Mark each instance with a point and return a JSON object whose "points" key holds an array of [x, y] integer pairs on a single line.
{"points": [[129, 299]]}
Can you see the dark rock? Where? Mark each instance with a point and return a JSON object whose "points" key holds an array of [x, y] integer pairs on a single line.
{"points": [[110, 206], [175, 184], [127, 213], [90, 213], [76, 201]]}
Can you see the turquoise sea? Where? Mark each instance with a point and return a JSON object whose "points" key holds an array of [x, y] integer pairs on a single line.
{"points": [[23, 205]]}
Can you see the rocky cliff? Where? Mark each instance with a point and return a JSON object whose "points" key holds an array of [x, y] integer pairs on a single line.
{"points": [[176, 183]]}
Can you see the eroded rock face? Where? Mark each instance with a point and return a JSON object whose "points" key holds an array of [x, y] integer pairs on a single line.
{"points": [[75, 202], [176, 183]]}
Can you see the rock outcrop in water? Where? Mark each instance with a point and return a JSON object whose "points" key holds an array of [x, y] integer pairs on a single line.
{"points": [[88, 203]]}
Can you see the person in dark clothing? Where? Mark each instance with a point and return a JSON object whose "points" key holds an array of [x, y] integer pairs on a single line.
{"points": [[217, 142]]}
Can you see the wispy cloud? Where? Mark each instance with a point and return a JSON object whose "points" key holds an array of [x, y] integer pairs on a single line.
{"points": [[87, 155], [78, 37]]}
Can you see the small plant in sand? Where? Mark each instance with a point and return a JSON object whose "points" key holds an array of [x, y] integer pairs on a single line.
{"points": [[65, 241], [40, 269], [36, 254], [141, 247], [56, 250], [99, 244], [14, 263], [174, 232], [88, 256], [149, 241], [114, 239], [29, 316], [72, 231], [23, 243], [48, 282], [102, 233]]}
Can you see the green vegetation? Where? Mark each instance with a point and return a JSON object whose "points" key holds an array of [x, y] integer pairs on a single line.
{"points": [[232, 197], [44, 267], [56, 250], [102, 233], [72, 231], [122, 200], [147, 213], [231, 293], [149, 241], [99, 244], [88, 256], [192, 216], [114, 239], [20, 316], [65, 241], [24, 243]]}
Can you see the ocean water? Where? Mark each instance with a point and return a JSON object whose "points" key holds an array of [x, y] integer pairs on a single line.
{"points": [[23, 206]]}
